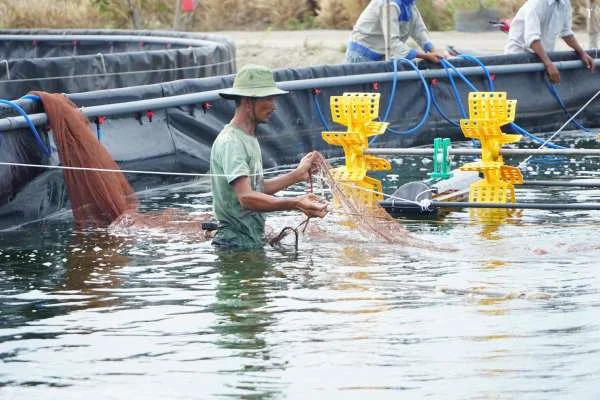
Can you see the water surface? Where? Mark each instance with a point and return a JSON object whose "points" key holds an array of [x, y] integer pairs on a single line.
{"points": [[512, 313]]}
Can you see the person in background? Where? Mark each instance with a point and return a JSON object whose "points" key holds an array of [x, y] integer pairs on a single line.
{"points": [[535, 28], [593, 23], [241, 195], [368, 38]]}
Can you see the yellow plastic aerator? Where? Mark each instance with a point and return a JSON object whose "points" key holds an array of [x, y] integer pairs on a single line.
{"points": [[488, 111], [357, 111]]}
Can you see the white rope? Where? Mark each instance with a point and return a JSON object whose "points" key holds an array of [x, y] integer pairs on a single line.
{"points": [[103, 63], [425, 205], [389, 196], [132, 171], [524, 162], [7, 69], [118, 73], [423, 192]]}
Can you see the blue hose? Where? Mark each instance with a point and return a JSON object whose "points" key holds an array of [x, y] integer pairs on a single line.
{"points": [[555, 94], [439, 110], [482, 65], [447, 63], [533, 137], [36, 135], [320, 112], [420, 124], [459, 102]]}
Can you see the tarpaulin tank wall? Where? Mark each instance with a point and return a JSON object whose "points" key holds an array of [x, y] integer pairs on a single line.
{"points": [[188, 114], [73, 61]]}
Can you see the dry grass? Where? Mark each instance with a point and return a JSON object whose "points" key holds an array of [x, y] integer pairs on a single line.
{"points": [[24, 14], [339, 14], [215, 15]]}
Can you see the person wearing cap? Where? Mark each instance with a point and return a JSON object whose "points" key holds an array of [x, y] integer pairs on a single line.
{"points": [[535, 28], [241, 195], [369, 35]]}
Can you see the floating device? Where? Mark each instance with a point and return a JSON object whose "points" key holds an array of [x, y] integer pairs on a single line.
{"points": [[403, 203], [488, 111], [441, 159], [357, 111]]}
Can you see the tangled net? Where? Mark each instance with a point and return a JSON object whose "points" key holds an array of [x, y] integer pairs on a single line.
{"points": [[373, 223], [102, 198]]}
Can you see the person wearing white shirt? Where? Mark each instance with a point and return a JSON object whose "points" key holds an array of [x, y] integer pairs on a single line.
{"points": [[370, 33], [535, 28]]}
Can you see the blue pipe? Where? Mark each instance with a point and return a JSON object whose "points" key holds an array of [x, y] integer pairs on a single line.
{"points": [[420, 124], [555, 94], [320, 112], [459, 102], [439, 110], [36, 135], [483, 67]]}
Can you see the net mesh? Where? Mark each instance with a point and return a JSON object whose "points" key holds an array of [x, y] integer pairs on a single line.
{"points": [[373, 223]]}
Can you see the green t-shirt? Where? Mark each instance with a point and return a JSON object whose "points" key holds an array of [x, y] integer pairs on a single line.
{"points": [[235, 154]]}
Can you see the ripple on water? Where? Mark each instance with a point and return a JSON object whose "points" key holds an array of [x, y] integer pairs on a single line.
{"points": [[508, 312]]}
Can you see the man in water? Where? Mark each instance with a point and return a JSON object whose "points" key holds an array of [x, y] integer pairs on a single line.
{"points": [[535, 28], [240, 194], [369, 35]]}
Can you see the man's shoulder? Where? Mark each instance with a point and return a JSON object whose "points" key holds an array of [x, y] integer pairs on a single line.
{"points": [[227, 135]]}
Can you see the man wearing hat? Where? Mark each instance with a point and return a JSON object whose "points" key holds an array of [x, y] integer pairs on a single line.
{"points": [[240, 194]]}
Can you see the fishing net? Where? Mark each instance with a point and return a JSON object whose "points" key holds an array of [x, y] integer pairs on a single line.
{"points": [[97, 197], [374, 223], [100, 195]]}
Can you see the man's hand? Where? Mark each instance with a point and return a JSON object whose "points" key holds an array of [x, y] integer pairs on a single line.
{"points": [[553, 73], [431, 57], [312, 205], [307, 165], [588, 61]]}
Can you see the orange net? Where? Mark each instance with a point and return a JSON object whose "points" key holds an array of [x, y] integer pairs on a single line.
{"points": [[102, 198], [373, 223], [97, 197]]}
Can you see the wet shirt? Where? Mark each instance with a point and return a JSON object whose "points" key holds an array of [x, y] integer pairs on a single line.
{"points": [[542, 20], [371, 27], [235, 154]]}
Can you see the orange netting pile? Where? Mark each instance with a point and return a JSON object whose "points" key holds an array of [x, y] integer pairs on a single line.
{"points": [[97, 197], [101, 198]]}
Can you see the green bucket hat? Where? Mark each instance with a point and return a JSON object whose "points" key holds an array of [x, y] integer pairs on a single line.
{"points": [[252, 81]]}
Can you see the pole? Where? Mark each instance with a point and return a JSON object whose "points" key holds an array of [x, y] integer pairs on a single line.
{"points": [[511, 206], [177, 16], [475, 152], [589, 183], [388, 26], [300, 84]]}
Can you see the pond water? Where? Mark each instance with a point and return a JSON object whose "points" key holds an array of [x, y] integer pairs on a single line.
{"points": [[510, 313]]}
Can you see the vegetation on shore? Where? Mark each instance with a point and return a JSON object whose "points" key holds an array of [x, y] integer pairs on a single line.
{"points": [[215, 15]]}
